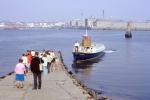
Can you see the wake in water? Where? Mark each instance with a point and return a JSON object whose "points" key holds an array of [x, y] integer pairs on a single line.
{"points": [[110, 51]]}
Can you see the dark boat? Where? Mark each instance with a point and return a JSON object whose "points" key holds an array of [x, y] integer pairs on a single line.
{"points": [[128, 34], [88, 50]]}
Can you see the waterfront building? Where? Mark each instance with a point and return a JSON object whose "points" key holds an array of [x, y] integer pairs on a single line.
{"points": [[111, 24], [59, 24], [77, 23], [73, 23], [90, 22], [30, 25], [81, 23], [141, 25], [2, 25]]}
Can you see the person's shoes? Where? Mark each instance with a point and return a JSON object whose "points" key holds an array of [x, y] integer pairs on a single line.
{"points": [[17, 86], [39, 87], [21, 86], [34, 88]]}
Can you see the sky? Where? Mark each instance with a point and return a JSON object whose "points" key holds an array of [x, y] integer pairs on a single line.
{"points": [[63, 10]]}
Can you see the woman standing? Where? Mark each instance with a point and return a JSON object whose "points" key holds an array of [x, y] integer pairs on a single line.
{"points": [[20, 71]]}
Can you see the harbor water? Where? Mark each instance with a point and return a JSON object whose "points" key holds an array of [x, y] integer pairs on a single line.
{"points": [[122, 73]]}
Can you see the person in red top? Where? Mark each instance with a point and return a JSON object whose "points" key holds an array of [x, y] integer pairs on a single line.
{"points": [[29, 58]]}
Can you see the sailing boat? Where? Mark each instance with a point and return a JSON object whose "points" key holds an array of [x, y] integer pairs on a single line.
{"points": [[87, 50]]}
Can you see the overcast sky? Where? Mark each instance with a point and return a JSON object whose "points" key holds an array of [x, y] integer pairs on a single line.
{"points": [[62, 10]]}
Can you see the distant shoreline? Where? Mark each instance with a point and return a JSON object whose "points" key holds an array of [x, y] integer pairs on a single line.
{"points": [[90, 23], [105, 29]]}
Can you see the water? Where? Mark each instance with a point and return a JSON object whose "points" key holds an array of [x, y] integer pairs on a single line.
{"points": [[123, 72]]}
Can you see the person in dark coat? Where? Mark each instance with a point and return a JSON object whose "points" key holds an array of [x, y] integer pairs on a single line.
{"points": [[36, 71]]}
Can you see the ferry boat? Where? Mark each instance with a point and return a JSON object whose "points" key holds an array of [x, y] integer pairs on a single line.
{"points": [[87, 50]]}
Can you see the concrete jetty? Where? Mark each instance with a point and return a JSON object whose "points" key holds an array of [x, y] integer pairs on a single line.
{"points": [[55, 86]]}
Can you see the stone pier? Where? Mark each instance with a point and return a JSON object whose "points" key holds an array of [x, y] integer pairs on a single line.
{"points": [[55, 86]]}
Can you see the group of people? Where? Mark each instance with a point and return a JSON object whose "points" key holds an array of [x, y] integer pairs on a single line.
{"points": [[39, 63]]}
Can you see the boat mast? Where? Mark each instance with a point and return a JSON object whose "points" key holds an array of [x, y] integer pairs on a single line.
{"points": [[86, 34]]}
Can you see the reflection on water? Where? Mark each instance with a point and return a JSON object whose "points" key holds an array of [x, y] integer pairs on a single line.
{"points": [[85, 67]]}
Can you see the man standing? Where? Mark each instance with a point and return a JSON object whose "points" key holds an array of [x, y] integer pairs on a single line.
{"points": [[76, 45], [36, 71]]}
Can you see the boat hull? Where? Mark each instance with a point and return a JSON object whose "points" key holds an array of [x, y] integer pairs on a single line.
{"points": [[128, 35], [87, 56]]}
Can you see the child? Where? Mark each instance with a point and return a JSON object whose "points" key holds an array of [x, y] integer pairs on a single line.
{"points": [[20, 71]]}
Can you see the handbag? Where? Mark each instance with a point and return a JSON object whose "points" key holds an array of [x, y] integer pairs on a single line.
{"points": [[41, 66]]}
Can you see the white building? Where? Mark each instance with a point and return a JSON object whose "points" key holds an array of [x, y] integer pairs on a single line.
{"points": [[2, 25], [90, 23], [77, 23], [30, 25], [141, 25], [109, 24]]}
